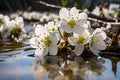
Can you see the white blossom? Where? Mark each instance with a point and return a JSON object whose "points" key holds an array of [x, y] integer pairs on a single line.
{"points": [[113, 8], [97, 41], [72, 21], [79, 41], [44, 42], [96, 11], [4, 28], [52, 28]]}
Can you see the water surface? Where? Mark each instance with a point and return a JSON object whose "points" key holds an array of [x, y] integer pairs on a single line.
{"points": [[18, 63]]}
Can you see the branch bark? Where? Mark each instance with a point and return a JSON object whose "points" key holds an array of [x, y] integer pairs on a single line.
{"points": [[92, 17], [8, 5]]}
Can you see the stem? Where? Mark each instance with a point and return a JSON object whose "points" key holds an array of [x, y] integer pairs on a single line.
{"points": [[8, 5], [60, 33], [49, 5], [115, 37], [92, 17]]}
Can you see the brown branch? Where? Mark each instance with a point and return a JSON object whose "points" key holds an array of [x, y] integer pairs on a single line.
{"points": [[49, 5], [8, 5], [115, 37], [92, 17]]}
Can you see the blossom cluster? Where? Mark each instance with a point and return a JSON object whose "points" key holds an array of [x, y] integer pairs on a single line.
{"points": [[71, 31], [11, 28], [108, 11], [41, 17]]}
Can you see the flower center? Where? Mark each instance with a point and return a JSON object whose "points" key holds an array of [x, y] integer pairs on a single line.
{"points": [[71, 23], [1, 22], [80, 39], [53, 28], [46, 40], [94, 40], [15, 30]]}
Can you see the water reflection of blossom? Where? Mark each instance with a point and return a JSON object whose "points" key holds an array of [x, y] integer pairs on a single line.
{"points": [[38, 69], [56, 68]]}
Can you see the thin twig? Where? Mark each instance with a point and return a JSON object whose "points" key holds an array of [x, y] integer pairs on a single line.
{"points": [[92, 17], [60, 33], [8, 5], [49, 5]]}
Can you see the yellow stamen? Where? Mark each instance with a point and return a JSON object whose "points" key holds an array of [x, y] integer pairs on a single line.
{"points": [[46, 40], [15, 30], [80, 39], [1, 22], [94, 40], [53, 29], [71, 23]]}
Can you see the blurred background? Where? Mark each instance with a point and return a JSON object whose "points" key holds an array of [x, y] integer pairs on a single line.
{"points": [[14, 5]]}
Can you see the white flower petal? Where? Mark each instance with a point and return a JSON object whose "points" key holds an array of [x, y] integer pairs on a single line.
{"points": [[79, 49], [78, 29], [19, 20], [34, 42], [96, 11], [50, 24], [53, 49], [64, 13], [5, 19], [94, 50], [1, 16], [83, 17], [65, 27], [97, 43], [5, 31], [41, 52], [108, 26], [86, 34], [87, 25], [100, 45], [40, 30], [54, 38], [99, 31], [72, 41], [74, 12]]}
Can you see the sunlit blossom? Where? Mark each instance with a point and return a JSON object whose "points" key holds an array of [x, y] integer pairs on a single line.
{"points": [[52, 28], [97, 41], [44, 18], [1, 16], [16, 26], [74, 29], [72, 21], [79, 41], [12, 28], [44, 42], [113, 8], [32, 15], [96, 11], [4, 28]]}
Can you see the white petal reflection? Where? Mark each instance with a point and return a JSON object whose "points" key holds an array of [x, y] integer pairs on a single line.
{"points": [[78, 50], [77, 69], [39, 72]]}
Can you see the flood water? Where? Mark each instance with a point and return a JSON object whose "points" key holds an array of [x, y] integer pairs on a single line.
{"points": [[18, 63]]}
